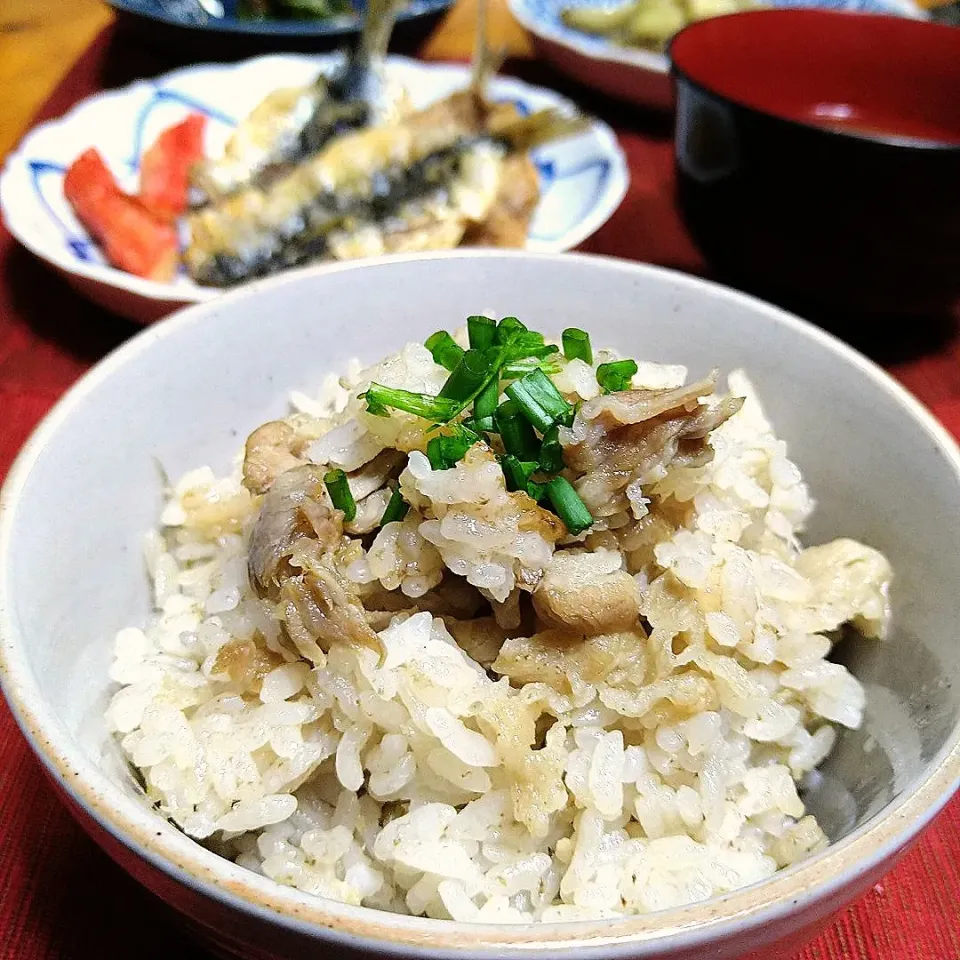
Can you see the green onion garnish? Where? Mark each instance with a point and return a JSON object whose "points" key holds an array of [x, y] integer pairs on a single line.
{"points": [[396, 509], [520, 368], [517, 473], [436, 454], [539, 400], [339, 490], [551, 453], [487, 400], [616, 376], [445, 350], [438, 409], [528, 344], [482, 332], [447, 450], [576, 345], [508, 328], [536, 491], [375, 407], [515, 431], [480, 424], [468, 378], [568, 506]]}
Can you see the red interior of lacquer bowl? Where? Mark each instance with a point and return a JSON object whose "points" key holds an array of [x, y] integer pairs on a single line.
{"points": [[875, 76]]}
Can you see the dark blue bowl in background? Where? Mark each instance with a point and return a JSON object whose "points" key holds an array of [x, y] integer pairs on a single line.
{"points": [[190, 13], [183, 26]]}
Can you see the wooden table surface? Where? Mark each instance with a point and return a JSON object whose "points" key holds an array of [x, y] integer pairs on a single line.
{"points": [[40, 40]]}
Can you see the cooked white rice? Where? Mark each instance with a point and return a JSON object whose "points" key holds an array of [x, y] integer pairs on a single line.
{"points": [[547, 779]]}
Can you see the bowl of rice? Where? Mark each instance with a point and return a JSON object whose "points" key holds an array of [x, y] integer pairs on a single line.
{"points": [[486, 605]]}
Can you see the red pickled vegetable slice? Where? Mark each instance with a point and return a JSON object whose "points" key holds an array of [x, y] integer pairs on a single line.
{"points": [[165, 168], [131, 237]]}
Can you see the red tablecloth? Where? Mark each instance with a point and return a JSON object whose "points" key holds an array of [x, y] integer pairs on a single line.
{"points": [[60, 898]]}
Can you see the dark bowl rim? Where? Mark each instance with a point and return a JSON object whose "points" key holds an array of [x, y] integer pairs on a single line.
{"points": [[886, 142], [338, 27]]}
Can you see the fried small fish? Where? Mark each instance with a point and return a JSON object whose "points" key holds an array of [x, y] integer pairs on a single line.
{"points": [[456, 171], [294, 122], [418, 184]]}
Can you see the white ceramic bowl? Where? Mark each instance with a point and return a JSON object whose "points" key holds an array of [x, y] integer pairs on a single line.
{"points": [[630, 73], [583, 179], [188, 390]]}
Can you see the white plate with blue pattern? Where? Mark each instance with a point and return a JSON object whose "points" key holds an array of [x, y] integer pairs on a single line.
{"points": [[631, 73], [582, 179]]}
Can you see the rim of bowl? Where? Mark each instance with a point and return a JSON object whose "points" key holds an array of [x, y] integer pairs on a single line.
{"points": [[881, 141], [156, 841], [638, 59], [340, 26]]}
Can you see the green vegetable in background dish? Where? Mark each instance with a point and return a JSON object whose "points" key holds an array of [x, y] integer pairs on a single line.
{"points": [[649, 23]]}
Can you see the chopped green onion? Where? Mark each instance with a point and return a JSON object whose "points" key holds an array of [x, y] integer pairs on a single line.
{"points": [[539, 400], [375, 407], [520, 368], [536, 491], [487, 400], [436, 455], [438, 409], [447, 450], [616, 376], [551, 453], [480, 424], [473, 375], [568, 506], [515, 431], [396, 509], [514, 473], [576, 345], [482, 332], [445, 350], [508, 328], [525, 345], [468, 378], [522, 337], [464, 433], [339, 490]]}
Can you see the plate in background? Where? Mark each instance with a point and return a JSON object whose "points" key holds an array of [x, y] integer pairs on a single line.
{"points": [[582, 179], [629, 73]]}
